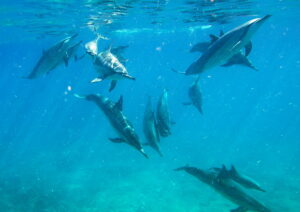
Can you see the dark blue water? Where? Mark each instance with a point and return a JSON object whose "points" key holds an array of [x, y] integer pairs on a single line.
{"points": [[54, 149]]}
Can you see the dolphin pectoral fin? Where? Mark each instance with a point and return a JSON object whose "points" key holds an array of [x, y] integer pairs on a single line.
{"points": [[119, 103], [187, 103], [130, 77], [112, 85], [239, 209], [248, 48], [79, 96], [96, 80], [117, 140]]}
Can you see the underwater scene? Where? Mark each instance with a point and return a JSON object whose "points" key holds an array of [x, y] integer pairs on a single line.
{"points": [[149, 106]]}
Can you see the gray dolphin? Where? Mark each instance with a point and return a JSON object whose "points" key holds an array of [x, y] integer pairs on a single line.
{"points": [[163, 115], [150, 127], [237, 59], [234, 175], [54, 56], [107, 65], [195, 96], [225, 187], [226, 46], [113, 111]]}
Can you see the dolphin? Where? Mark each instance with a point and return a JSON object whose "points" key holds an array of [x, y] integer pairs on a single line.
{"points": [[195, 96], [244, 201], [226, 46], [107, 64], [150, 128], [113, 111], [163, 116], [234, 175], [237, 59], [53, 57]]}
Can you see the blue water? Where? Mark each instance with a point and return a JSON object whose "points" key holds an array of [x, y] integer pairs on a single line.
{"points": [[54, 149]]}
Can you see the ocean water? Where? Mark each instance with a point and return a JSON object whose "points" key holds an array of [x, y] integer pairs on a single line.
{"points": [[55, 155]]}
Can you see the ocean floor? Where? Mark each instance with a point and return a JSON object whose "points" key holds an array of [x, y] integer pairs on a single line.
{"points": [[127, 189]]}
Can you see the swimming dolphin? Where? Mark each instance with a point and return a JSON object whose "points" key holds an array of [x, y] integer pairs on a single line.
{"points": [[107, 64], [243, 180], [163, 115], [113, 111], [195, 96], [54, 56], [237, 59], [227, 189], [226, 46], [150, 128]]}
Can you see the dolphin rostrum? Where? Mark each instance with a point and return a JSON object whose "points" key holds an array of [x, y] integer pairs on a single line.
{"points": [[113, 111], [58, 54], [234, 175], [195, 96], [150, 127], [163, 115], [226, 46], [225, 187]]}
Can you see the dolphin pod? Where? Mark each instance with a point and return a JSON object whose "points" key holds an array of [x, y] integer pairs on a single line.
{"points": [[225, 187], [227, 49]]}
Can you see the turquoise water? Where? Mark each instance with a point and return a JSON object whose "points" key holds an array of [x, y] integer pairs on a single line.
{"points": [[54, 149]]}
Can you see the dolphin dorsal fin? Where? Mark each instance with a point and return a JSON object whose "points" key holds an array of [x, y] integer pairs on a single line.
{"points": [[119, 103], [213, 38], [248, 48], [233, 170], [221, 33]]}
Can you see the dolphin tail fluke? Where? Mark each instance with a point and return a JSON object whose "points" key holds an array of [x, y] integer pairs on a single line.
{"points": [[178, 72]]}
